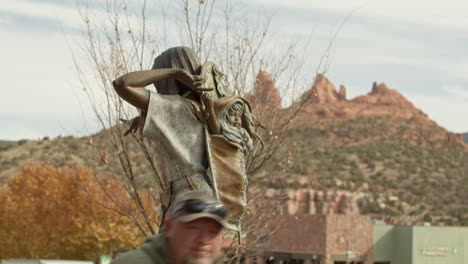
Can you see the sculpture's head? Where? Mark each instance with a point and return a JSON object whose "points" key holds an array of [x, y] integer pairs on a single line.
{"points": [[176, 58], [235, 120], [234, 115], [233, 111]]}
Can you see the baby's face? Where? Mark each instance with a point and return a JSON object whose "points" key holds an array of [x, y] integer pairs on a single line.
{"points": [[234, 118]]}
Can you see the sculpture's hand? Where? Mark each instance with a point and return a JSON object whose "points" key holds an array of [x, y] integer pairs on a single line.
{"points": [[210, 116], [134, 125], [207, 102], [194, 82]]}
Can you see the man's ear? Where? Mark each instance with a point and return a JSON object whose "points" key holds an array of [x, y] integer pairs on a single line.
{"points": [[167, 226]]}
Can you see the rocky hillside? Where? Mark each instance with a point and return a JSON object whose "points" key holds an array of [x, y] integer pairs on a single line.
{"points": [[465, 137], [62, 151], [93, 151], [5, 143], [377, 150]]}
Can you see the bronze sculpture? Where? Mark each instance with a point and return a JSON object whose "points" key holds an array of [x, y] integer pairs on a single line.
{"points": [[191, 97]]}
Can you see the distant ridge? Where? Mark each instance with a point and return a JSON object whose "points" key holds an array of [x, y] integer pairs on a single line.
{"points": [[4, 143], [465, 137]]}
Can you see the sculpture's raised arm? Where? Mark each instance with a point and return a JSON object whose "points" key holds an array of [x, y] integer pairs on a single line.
{"points": [[130, 86]]}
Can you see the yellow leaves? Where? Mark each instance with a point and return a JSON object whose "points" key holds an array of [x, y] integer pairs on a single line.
{"points": [[50, 212]]}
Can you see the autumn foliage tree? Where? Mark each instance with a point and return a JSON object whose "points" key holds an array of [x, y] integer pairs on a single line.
{"points": [[49, 212]]}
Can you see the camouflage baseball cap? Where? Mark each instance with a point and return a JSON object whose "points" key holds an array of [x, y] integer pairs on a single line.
{"points": [[193, 205]]}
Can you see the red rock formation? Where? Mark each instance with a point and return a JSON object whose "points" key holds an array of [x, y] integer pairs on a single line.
{"points": [[382, 95], [342, 93], [455, 138], [265, 92], [324, 102], [324, 91], [328, 103], [308, 201]]}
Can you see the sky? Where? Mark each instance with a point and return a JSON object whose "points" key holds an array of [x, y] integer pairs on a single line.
{"points": [[418, 47]]}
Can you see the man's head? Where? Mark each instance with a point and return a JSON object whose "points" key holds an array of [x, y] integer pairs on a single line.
{"points": [[195, 228]]}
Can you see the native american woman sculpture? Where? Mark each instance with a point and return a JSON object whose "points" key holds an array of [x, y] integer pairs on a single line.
{"points": [[202, 133]]}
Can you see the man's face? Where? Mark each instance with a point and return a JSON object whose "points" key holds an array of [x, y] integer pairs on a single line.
{"points": [[195, 242]]}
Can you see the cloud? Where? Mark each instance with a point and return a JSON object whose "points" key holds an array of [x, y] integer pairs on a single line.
{"points": [[450, 13], [25, 127], [415, 47], [65, 16], [6, 21], [387, 47], [448, 110], [461, 69], [43, 94], [37, 84], [458, 92]]}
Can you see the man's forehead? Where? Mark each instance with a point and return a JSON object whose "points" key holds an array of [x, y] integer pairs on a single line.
{"points": [[195, 195], [203, 221]]}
